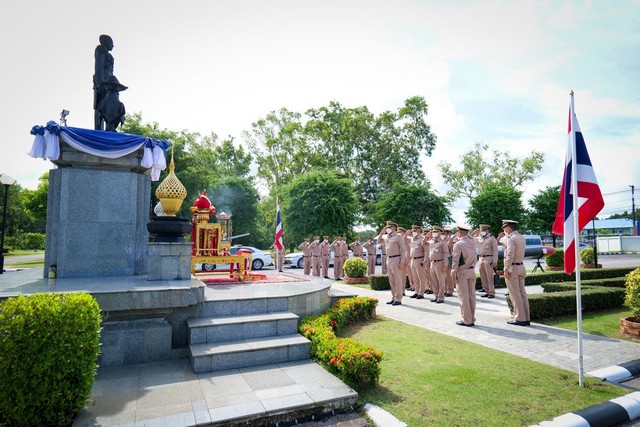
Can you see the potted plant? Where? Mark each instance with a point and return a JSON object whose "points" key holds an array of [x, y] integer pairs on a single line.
{"points": [[555, 261], [355, 269], [631, 325], [588, 258]]}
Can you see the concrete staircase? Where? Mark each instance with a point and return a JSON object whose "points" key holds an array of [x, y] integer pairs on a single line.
{"points": [[249, 335]]}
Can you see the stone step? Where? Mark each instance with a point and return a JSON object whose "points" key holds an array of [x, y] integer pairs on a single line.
{"points": [[248, 352], [235, 328]]}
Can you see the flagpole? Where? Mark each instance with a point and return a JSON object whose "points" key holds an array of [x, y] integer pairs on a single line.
{"points": [[576, 240]]}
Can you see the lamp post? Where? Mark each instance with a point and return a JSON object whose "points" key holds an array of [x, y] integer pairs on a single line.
{"points": [[7, 181], [633, 210]]}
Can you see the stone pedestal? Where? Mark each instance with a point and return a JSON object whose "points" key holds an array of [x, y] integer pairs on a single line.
{"points": [[97, 216], [169, 261]]}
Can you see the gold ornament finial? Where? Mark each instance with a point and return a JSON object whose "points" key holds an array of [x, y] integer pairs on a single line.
{"points": [[171, 192]]}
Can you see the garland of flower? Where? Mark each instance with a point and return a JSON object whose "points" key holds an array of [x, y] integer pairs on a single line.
{"points": [[357, 364]]}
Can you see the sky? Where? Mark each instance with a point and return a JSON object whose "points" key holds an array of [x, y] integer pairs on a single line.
{"points": [[492, 72]]}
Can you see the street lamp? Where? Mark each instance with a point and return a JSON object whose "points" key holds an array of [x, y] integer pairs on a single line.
{"points": [[7, 181]]}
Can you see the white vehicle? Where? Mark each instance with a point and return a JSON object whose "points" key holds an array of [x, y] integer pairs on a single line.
{"points": [[260, 259], [296, 259]]}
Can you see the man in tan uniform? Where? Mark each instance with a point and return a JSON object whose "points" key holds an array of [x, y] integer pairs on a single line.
{"points": [[449, 285], [306, 252], [439, 255], [357, 248], [515, 271], [337, 258], [464, 273], [488, 252], [345, 254], [426, 263], [396, 259], [370, 246], [406, 268], [416, 256], [314, 247], [325, 256], [383, 256]]}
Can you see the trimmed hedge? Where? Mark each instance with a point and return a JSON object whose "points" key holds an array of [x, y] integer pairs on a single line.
{"points": [[355, 267], [592, 273], [616, 282], [357, 364], [379, 282], [556, 304], [49, 344]]}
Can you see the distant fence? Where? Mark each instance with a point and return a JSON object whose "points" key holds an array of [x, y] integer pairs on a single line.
{"points": [[619, 244]]}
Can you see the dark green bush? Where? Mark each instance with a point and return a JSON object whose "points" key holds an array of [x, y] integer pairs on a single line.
{"points": [[49, 344], [357, 364], [561, 276], [616, 282], [379, 282], [502, 284], [26, 241], [587, 256], [556, 304], [355, 267]]}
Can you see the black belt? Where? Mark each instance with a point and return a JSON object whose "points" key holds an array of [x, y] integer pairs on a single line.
{"points": [[416, 257], [436, 260], [307, 256], [392, 256], [338, 256], [473, 266], [384, 254], [517, 263], [485, 255], [315, 256]]}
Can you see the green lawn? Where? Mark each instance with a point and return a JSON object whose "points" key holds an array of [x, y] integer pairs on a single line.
{"points": [[605, 323], [430, 379]]}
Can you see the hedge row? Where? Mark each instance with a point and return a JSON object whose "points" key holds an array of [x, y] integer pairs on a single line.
{"points": [[556, 304], [587, 274], [49, 344], [616, 282], [357, 364]]}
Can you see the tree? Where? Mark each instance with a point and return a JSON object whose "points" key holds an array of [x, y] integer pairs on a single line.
{"points": [[34, 203], [318, 203], [237, 196], [623, 215], [477, 172], [409, 204], [495, 203], [543, 210]]}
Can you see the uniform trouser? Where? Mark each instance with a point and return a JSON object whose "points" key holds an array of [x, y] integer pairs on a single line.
{"points": [[486, 274], [280, 261], [396, 278], [307, 265], [448, 280], [337, 267], [438, 280], [315, 265], [421, 274], [427, 267], [517, 293], [325, 265], [466, 294], [413, 277], [384, 263], [371, 264]]}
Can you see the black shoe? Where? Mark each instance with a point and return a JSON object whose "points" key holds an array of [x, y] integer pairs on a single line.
{"points": [[412, 290], [419, 297], [391, 302], [327, 277], [528, 323], [396, 303], [491, 296], [518, 323], [448, 294], [434, 300], [440, 301], [414, 296], [484, 296], [461, 323], [339, 279], [429, 292]]}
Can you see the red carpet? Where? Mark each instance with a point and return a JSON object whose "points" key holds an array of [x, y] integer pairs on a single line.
{"points": [[215, 279]]}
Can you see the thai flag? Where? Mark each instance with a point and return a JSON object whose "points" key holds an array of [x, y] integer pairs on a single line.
{"points": [[589, 198], [278, 241]]}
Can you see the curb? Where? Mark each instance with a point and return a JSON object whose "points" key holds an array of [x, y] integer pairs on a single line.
{"points": [[382, 418], [610, 413]]}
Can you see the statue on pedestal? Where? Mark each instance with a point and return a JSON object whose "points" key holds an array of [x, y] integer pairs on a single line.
{"points": [[109, 111]]}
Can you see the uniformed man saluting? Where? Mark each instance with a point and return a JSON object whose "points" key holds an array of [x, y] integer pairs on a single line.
{"points": [[306, 252], [396, 259], [370, 246], [488, 251], [315, 255]]}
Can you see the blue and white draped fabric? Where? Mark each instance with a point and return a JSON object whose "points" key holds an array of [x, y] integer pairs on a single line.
{"points": [[100, 143]]}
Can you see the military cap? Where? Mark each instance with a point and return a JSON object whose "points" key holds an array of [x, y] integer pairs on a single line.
{"points": [[463, 227], [484, 226], [508, 222], [316, 237], [416, 227], [446, 230], [391, 223], [402, 229], [437, 228]]}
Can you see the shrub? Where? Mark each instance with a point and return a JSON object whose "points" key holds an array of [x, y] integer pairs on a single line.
{"points": [[26, 241], [357, 364], [632, 293], [587, 256], [556, 259], [379, 283], [49, 345], [561, 276], [355, 267]]}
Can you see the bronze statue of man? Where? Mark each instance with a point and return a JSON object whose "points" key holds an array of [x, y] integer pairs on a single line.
{"points": [[106, 88]]}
